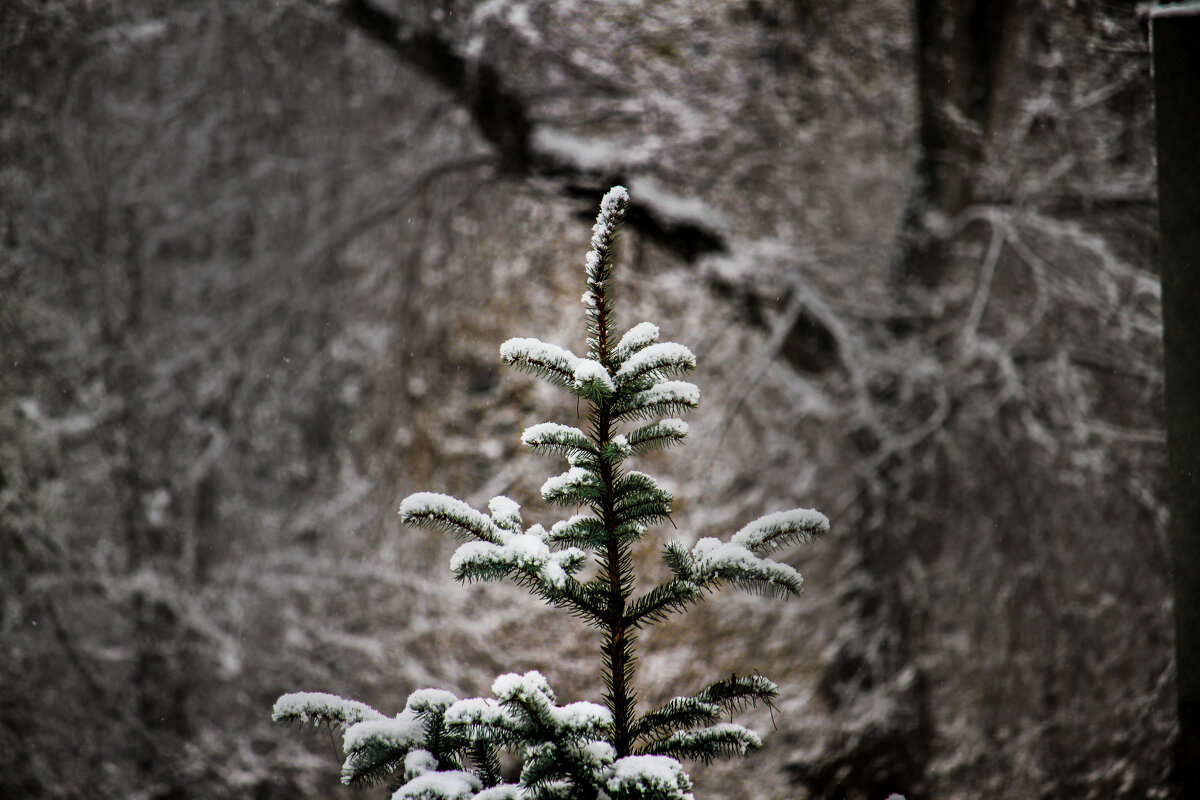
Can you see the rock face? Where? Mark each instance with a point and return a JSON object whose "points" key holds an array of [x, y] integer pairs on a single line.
{"points": [[255, 269]]}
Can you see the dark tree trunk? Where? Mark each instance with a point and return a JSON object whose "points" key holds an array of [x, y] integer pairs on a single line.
{"points": [[1177, 111], [159, 674], [963, 50]]}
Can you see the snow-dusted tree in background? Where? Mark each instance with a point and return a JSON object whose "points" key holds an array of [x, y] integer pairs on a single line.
{"points": [[444, 747]]}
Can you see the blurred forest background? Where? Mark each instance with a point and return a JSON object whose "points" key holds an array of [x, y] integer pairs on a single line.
{"points": [[256, 259]]}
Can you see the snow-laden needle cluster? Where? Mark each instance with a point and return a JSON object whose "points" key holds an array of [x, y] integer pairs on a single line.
{"points": [[444, 748]]}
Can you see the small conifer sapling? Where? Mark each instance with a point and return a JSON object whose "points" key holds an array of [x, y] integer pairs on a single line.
{"points": [[441, 747]]}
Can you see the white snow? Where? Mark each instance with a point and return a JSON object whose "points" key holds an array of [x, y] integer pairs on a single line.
{"points": [[588, 371], [556, 790], [664, 355], [535, 351], [712, 556], [553, 433], [527, 551], [728, 731], [781, 522], [403, 732], [558, 486], [530, 686], [426, 699], [548, 431], [674, 425], [599, 752], [637, 337], [317, 707], [660, 776], [673, 392], [537, 531], [552, 573], [506, 512], [659, 767], [418, 762], [450, 785], [613, 199], [477, 553], [505, 791], [563, 527], [444, 507], [476, 711], [646, 480], [621, 443], [583, 718]]}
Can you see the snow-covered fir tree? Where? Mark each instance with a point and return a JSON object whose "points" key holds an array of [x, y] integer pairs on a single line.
{"points": [[441, 747]]}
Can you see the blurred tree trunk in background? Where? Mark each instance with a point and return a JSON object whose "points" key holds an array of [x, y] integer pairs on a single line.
{"points": [[963, 50], [983, 89]]}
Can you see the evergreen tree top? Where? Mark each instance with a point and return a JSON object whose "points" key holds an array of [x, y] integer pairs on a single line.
{"points": [[441, 747]]}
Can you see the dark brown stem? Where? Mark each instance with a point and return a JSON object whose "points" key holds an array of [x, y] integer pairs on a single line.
{"points": [[617, 643], [617, 640]]}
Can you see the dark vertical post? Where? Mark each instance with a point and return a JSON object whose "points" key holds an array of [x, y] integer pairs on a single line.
{"points": [[1175, 42]]}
